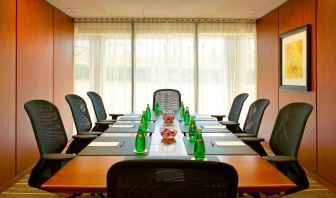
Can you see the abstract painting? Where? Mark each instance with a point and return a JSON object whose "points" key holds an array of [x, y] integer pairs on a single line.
{"points": [[295, 59]]}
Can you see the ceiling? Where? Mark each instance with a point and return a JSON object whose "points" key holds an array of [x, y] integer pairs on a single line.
{"points": [[247, 9]]}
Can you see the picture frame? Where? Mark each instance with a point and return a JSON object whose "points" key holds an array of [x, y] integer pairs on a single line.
{"points": [[295, 59]]}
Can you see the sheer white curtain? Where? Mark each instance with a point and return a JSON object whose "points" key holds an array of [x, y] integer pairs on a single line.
{"points": [[164, 58], [227, 65], [103, 64]]}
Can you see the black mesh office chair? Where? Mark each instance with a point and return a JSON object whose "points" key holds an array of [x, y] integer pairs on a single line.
{"points": [[82, 118], [252, 121], [171, 178], [169, 99], [285, 142], [99, 108], [235, 110], [51, 140]]}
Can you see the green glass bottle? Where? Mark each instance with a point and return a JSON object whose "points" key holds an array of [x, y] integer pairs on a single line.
{"points": [[148, 113], [199, 147], [157, 108], [143, 122], [182, 110], [187, 116], [140, 140], [192, 129]]}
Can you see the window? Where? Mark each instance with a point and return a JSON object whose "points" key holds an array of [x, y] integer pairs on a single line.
{"points": [[164, 58], [209, 63], [103, 63], [227, 65]]}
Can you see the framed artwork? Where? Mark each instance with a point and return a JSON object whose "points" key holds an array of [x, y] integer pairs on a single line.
{"points": [[295, 66]]}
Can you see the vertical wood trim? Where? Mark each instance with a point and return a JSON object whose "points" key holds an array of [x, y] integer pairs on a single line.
{"points": [[7, 89], [326, 71], [63, 65], [267, 78], [34, 71]]}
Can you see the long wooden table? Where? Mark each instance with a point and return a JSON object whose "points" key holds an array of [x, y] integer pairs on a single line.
{"points": [[88, 173]]}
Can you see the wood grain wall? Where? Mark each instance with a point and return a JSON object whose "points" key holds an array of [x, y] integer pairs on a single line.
{"points": [[326, 72], [7, 89], [267, 39], [317, 152], [35, 63], [293, 14], [63, 65], [34, 70]]}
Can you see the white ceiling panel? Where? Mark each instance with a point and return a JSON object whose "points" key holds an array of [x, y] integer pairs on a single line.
{"points": [[160, 12], [114, 4], [82, 4], [69, 12], [273, 4], [245, 14], [90, 12], [250, 9], [259, 14], [200, 3], [233, 5], [58, 4], [125, 13], [202, 12], [159, 3]]}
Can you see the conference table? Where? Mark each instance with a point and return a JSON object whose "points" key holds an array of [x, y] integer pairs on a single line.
{"points": [[86, 173]]}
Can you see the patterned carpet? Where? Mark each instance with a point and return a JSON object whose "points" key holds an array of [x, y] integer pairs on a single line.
{"points": [[21, 189]]}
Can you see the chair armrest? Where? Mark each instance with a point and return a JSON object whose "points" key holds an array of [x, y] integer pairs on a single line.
{"points": [[252, 139], [255, 144], [105, 122], [280, 159], [114, 116], [97, 133], [58, 156], [218, 117], [84, 137], [243, 135], [229, 123]]}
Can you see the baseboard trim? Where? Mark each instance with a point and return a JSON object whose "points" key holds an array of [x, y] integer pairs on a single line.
{"points": [[322, 181], [15, 179]]}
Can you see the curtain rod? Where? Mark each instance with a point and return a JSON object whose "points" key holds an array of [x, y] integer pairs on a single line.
{"points": [[163, 20]]}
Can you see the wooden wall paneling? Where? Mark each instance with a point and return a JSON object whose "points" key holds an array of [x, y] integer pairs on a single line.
{"points": [[293, 14], [34, 70], [326, 72], [267, 52], [7, 90], [63, 65]]}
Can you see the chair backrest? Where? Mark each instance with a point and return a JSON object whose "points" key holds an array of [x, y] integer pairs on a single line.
{"points": [[169, 99], [236, 107], [289, 127], [98, 105], [254, 116], [171, 178], [48, 127], [80, 112]]}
